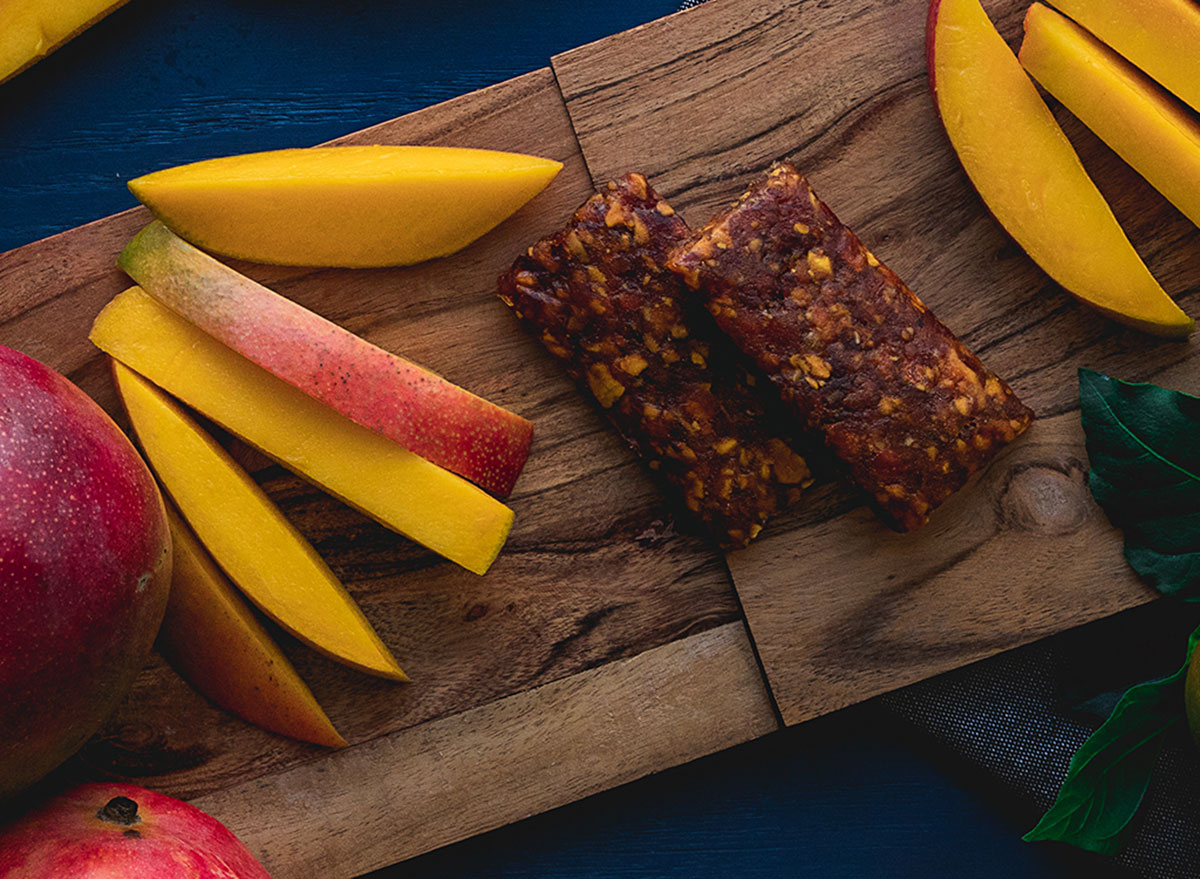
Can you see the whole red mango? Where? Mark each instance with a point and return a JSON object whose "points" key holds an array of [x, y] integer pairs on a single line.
{"points": [[85, 565], [119, 831]]}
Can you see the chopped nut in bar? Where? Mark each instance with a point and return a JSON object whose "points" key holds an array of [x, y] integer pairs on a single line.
{"points": [[599, 298], [902, 402]]}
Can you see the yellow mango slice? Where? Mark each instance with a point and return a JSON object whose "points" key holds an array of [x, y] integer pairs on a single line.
{"points": [[212, 638], [1029, 175], [354, 206], [1143, 124], [1162, 37], [32, 29], [271, 562], [366, 470]]}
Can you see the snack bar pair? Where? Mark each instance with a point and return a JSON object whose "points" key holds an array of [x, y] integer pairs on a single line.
{"points": [[623, 297]]}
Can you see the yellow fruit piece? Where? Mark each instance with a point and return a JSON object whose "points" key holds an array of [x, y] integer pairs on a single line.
{"points": [[1030, 177], [216, 643], [1191, 696], [272, 563], [1144, 125], [355, 206], [374, 475], [1162, 37], [32, 29]]}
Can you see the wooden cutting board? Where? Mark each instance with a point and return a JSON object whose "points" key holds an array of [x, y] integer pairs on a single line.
{"points": [[606, 643], [840, 608], [601, 646]]}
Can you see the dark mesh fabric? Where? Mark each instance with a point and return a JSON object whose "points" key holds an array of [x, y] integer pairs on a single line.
{"points": [[1019, 717]]}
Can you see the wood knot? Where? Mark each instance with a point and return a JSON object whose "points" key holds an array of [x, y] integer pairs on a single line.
{"points": [[1047, 497]]}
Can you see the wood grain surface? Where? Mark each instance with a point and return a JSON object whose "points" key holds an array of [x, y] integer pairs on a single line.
{"points": [[593, 572], [839, 607], [461, 775]]}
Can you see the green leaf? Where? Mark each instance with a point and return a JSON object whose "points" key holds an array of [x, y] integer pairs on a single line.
{"points": [[1143, 442], [1110, 772]]}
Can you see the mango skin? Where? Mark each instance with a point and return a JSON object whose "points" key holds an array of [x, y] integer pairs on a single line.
{"points": [[72, 836], [350, 206], [1029, 176], [85, 568]]}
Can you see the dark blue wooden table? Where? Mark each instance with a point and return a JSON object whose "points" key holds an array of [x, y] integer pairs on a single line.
{"points": [[160, 83]]}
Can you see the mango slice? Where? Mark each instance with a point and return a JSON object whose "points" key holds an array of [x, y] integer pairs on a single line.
{"points": [[1030, 177], [32, 29], [211, 637], [1144, 125], [408, 404], [1162, 37], [371, 473], [249, 538], [353, 206]]}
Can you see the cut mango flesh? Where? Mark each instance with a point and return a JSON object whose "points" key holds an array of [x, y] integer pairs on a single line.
{"points": [[1144, 125], [32, 29], [354, 206], [398, 488], [1030, 177], [215, 642], [1162, 37], [248, 537], [410, 405]]}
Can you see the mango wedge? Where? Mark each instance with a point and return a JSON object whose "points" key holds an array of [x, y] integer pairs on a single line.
{"points": [[1143, 124], [407, 403], [1029, 175], [353, 206], [1162, 37], [215, 642], [32, 29], [401, 490], [273, 565]]}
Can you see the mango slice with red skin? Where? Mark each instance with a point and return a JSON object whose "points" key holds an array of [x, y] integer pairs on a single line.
{"points": [[407, 403], [212, 638], [369, 472]]}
